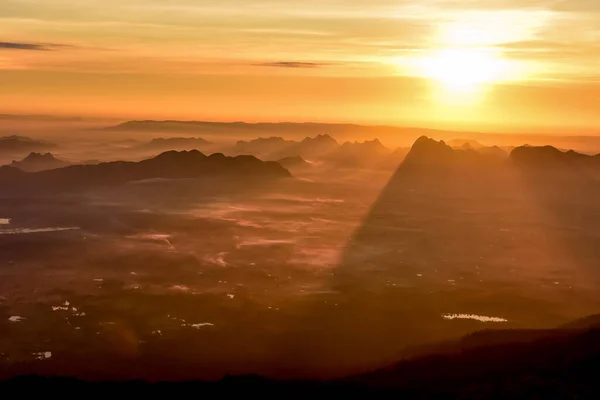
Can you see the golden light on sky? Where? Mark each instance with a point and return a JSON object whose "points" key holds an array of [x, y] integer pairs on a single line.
{"points": [[326, 60], [462, 69]]}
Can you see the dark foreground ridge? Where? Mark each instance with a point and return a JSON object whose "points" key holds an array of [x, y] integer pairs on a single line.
{"points": [[553, 363], [170, 165]]}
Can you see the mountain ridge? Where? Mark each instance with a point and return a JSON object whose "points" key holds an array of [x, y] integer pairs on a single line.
{"points": [[36, 162], [171, 165]]}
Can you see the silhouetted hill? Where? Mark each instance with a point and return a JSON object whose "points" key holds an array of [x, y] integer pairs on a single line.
{"points": [[558, 362], [428, 153], [36, 162], [22, 144], [551, 157], [176, 143], [171, 164]]}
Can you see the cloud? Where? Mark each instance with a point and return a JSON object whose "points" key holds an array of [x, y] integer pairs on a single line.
{"points": [[29, 46], [577, 6], [553, 50], [292, 64]]}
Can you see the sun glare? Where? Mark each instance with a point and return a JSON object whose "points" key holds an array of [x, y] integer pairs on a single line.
{"points": [[463, 69]]}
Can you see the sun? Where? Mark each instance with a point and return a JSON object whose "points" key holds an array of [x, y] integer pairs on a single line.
{"points": [[463, 69]]}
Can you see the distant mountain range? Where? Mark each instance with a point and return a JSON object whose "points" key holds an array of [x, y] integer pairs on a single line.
{"points": [[36, 162], [265, 128], [275, 148], [44, 170], [428, 153], [171, 164], [22, 144], [392, 134], [324, 149]]}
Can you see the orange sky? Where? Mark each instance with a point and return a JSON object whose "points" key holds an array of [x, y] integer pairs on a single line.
{"points": [[514, 62]]}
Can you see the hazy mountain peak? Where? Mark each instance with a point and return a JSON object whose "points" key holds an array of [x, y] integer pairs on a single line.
{"points": [[35, 162], [549, 156], [180, 155], [322, 138], [465, 144], [373, 144], [22, 144], [39, 156], [429, 152], [426, 146]]}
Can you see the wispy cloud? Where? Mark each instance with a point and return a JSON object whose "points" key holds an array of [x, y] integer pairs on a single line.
{"points": [[292, 64], [30, 46]]}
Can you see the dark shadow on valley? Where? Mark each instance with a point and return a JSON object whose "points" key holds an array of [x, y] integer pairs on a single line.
{"points": [[457, 242]]}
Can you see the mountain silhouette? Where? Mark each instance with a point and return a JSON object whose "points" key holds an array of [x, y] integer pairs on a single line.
{"points": [[22, 144], [171, 164], [550, 363], [429, 154], [429, 151], [548, 156], [314, 147], [277, 148], [36, 162]]}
